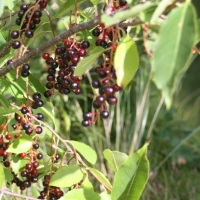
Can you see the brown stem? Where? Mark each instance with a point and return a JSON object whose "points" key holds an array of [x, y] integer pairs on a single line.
{"points": [[76, 155], [5, 48], [54, 41], [9, 193]]}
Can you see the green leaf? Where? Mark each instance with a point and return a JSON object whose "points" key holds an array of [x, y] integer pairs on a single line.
{"points": [[81, 194], [86, 151], [125, 14], [20, 145], [4, 101], [86, 184], [2, 41], [101, 177], [126, 61], [8, 174], [67, 7], [67, 176], [105, 196], [131, 177], [171, 58], [18, 164], [160, 8], [2, 179], [9, 3], [95, 2], [88, 61], [114, 158], [1, 8]]}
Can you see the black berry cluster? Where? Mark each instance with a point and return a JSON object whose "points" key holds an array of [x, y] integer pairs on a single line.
{"points": [[26, 122], [54, 193], [61, 69]]}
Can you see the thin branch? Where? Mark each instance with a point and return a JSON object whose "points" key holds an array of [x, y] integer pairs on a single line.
{"points": [[77, 156], [50, 43], [9, 193], [5, 48]]}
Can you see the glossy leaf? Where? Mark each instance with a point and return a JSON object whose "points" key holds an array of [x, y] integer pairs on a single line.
{"points": [[114, 158], [2, 40], [81, 194], [94, 2], [126, 61], [88, 61], [171, 58], [100, 177], [125, 14], [67, 176], [131, 177], [86, 151], [20, 145], [1, 8], [67, 7]]}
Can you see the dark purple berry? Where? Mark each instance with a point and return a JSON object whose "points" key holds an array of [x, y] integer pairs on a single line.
{"points": [[104, 114], [15, 34], [85, 44], [85, 123], [16, 44], [24, 110], [29, 33]]}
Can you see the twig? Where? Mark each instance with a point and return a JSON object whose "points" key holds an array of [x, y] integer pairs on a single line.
{"points": [[7, 192], [77, 156], [50, 43], [5, 48]]}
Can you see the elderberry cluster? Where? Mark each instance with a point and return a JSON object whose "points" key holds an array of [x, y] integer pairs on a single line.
{"points": [[61, 69]]}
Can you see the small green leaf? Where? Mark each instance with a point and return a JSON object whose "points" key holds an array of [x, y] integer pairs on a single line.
{"points": [[9, 3], [126, 61], [67, 176], [114, 158], [125, 14], [81, 194], [131, 177], [105, 196], [2, 179], [67, 7], [18, 164], [171, 59], [86, 151], [101, 177], [20, 145], [88, 61]]}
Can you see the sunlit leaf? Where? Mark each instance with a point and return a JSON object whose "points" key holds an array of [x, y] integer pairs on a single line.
{"points": [[86, 151], [100, 177], [114, 158], [20, 145], [88, 61], [131, 177], [67, 176], [126, 61]]}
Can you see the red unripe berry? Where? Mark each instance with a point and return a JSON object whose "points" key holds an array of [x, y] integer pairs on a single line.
{"points": [[3, 126], [45, 56], [8, 136], [22, 155]]}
